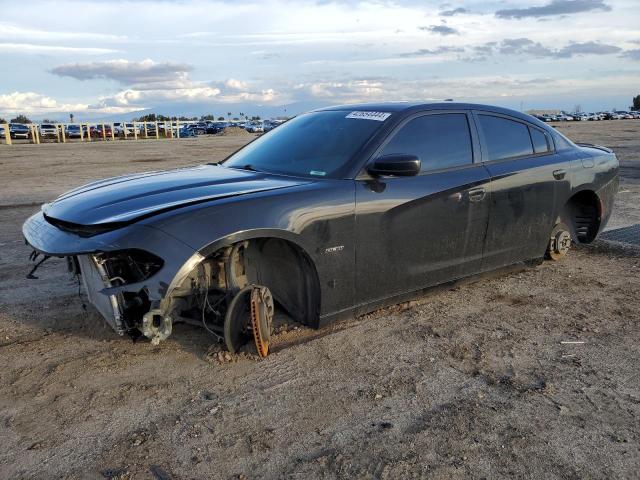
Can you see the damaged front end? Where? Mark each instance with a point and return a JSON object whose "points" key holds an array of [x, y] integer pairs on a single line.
{"points": [[103, 275], [126, 272]]}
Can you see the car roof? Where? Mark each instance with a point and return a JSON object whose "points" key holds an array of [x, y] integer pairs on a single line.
{"points": [[410, 107]]}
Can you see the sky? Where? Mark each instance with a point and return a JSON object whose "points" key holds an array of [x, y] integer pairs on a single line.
{"points": [[118, 57]]}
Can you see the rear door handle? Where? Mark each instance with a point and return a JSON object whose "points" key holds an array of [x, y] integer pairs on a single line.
{"points": [[476, 194], [559, 174]]}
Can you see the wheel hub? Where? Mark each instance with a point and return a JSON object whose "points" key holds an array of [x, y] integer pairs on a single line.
{"points": [[559, 243]]}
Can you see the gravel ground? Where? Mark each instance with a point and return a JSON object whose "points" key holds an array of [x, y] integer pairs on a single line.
{"points": [[470, 380]]}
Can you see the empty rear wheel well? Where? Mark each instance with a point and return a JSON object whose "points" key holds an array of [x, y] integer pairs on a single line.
{"points": [[583, 214]]}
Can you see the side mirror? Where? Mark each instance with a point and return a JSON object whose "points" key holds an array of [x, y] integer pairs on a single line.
{"points": [[397, 165]]}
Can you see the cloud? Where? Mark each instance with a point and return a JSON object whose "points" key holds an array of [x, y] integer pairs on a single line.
{"points": [[348, 90], [16, 32], [126, 72], [526, 46], [440, 29], [424, 52], [455, 11], [31, 102], [33, 49], [518, 46], [556, 7], [150, 83], [586, 48], [234, 84], [215, 92], [632, 54]]}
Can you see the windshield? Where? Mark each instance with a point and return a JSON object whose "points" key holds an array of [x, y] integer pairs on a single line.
{"points": [[317, 144]]}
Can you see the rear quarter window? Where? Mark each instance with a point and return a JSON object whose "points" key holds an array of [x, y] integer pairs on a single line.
{"points": [[505, 138], [539, 139]]}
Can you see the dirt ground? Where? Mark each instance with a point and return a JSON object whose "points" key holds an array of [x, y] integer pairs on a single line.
{"points": [[470, 380]]}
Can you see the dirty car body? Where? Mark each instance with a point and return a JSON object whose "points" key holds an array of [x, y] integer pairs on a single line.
{"points": [[338, 211]]}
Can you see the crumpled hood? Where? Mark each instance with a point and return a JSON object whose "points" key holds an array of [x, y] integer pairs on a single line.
{"points": [[126, 198]]}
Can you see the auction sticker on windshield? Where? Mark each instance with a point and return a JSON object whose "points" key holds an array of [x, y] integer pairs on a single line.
{"points": [[378, 116]]}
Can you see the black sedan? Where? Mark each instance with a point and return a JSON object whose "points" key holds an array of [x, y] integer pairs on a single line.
{"points": [[333, 214]]}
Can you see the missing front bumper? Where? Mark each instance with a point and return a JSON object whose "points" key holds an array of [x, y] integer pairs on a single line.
{"points": [[95, 279]]}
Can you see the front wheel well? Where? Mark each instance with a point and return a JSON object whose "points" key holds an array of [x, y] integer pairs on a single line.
{"points": [[583, 214], [279, 264], [290, 274]]}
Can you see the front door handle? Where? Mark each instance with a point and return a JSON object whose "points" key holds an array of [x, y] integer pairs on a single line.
{"points": [[476, 194], [559, 174]]}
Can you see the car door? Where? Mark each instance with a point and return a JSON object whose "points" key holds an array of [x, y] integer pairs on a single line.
{"points": [[527, 180], [414, 232]]}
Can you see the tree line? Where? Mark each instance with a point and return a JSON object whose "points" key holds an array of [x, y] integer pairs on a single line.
{"points": [[152, 117]]}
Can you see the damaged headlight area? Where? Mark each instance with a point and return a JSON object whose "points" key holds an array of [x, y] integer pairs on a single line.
{"points": [[128, 266], [102, 273]]}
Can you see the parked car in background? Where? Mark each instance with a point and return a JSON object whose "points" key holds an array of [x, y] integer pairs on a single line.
{"points": [[623, 115], [48, 130], [130, 128], [101, 130], [255, 127], [73, 131], [214, 128], [199, 128], [19, 131], [185, 131]]}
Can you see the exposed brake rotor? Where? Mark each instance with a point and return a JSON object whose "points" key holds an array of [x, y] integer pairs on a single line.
{"points": [[250, 313], [261, 318], [559, 242]]}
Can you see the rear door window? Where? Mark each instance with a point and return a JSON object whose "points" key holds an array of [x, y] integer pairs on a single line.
{"points": [[539, 139], [505, 138], [439, 141]]}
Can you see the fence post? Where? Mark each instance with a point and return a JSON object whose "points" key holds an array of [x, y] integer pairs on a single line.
{"points": [[88, 133], [104, 132], [37, 130], [57, 133], [7, 134], [146, 132], [63, 133], [135, 130], [177, 129], [112, 133], [124, 130]]}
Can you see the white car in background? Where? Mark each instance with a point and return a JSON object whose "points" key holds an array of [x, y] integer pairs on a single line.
{"points": [[48, 130], [255, 128]]}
